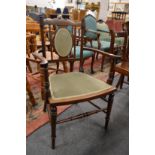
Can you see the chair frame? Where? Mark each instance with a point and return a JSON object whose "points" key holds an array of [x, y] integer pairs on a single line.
{"points": [[122, 67], [111, 32], [52, 107]]}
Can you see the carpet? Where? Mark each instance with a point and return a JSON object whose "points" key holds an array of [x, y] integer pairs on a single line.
{"points": [[35, 117], [87, 136]]}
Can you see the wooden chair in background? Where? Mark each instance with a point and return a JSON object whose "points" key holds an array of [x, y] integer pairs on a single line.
{"points": [[73, 87], [50, 12], [74, 14], [81, 14], [121, 67], [92, 36]]}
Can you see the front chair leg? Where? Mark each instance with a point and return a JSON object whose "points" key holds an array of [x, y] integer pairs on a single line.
{"points": [[53, 125], [109, 107]]}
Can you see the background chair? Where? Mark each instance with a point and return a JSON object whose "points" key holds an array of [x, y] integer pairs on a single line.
{"points": [[121, 67], [92, 36], [81, 14], [85, 53], [73, 87], [74, 14]]}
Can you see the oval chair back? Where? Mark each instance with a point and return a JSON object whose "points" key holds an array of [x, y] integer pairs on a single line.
{"points": [[62, 39]]}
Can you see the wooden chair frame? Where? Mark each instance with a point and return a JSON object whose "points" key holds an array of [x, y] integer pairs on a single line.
{"points": [[52, 106], [110, 32]]}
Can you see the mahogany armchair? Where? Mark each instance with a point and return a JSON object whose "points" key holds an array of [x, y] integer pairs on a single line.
{"points": [[72, 87]]}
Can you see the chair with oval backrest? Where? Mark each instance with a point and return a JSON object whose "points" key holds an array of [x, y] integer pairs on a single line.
{"points": [[86, 53], [73, 87]]}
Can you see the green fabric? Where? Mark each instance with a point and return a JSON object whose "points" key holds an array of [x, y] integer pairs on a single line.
{"points": [[105, 45], [102, 27], [90, 23], [86, 53], [75, 84]]}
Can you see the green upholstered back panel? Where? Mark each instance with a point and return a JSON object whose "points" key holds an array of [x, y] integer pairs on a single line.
{"points": [[90, 23], [63, 42]]}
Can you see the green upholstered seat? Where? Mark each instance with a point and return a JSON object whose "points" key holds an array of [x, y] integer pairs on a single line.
{"points": [[75, 84], [86, 53], [106, 37]]}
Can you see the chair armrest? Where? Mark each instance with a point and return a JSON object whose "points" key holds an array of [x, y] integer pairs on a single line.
{"points": [[41, 58], [113, 56], [93, 31]]}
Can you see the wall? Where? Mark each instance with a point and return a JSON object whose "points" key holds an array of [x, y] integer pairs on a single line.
{"points": [[61, 3]]}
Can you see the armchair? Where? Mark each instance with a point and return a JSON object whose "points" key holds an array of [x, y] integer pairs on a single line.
{"points": [[72, 87], [89, 26]]}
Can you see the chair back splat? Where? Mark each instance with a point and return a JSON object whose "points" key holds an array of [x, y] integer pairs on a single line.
{"points": [[63, 29], [73, 87]]}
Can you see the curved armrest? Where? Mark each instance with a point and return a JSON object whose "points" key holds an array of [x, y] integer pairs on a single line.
{"points": [[93, 31], [41, 58], [113, 56]]}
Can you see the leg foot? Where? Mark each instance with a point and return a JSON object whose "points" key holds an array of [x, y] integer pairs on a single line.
{"points": [[109, 107]]}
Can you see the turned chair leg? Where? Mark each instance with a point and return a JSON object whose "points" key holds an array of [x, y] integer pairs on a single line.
{"points": [[120, 82], [102, 63], [92, 64], [28, 89], [109, 107], [97, 56], [53, 125], [57, 63], [81, 66], [71, 66]]}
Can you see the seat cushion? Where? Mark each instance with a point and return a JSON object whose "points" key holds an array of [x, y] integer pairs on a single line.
{"points": [[86, 53], [75, 84]]}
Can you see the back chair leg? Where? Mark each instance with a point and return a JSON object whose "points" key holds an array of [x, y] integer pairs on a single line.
{"points": [[92, 64], [57, 63], [102, 63], [109, 107], [81, 66], [97, 56], [71, 66], [28, 89], [122, 81], [53, 125]]}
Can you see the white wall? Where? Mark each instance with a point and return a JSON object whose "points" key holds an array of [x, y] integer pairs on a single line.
{"points": [[103, 9]]}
